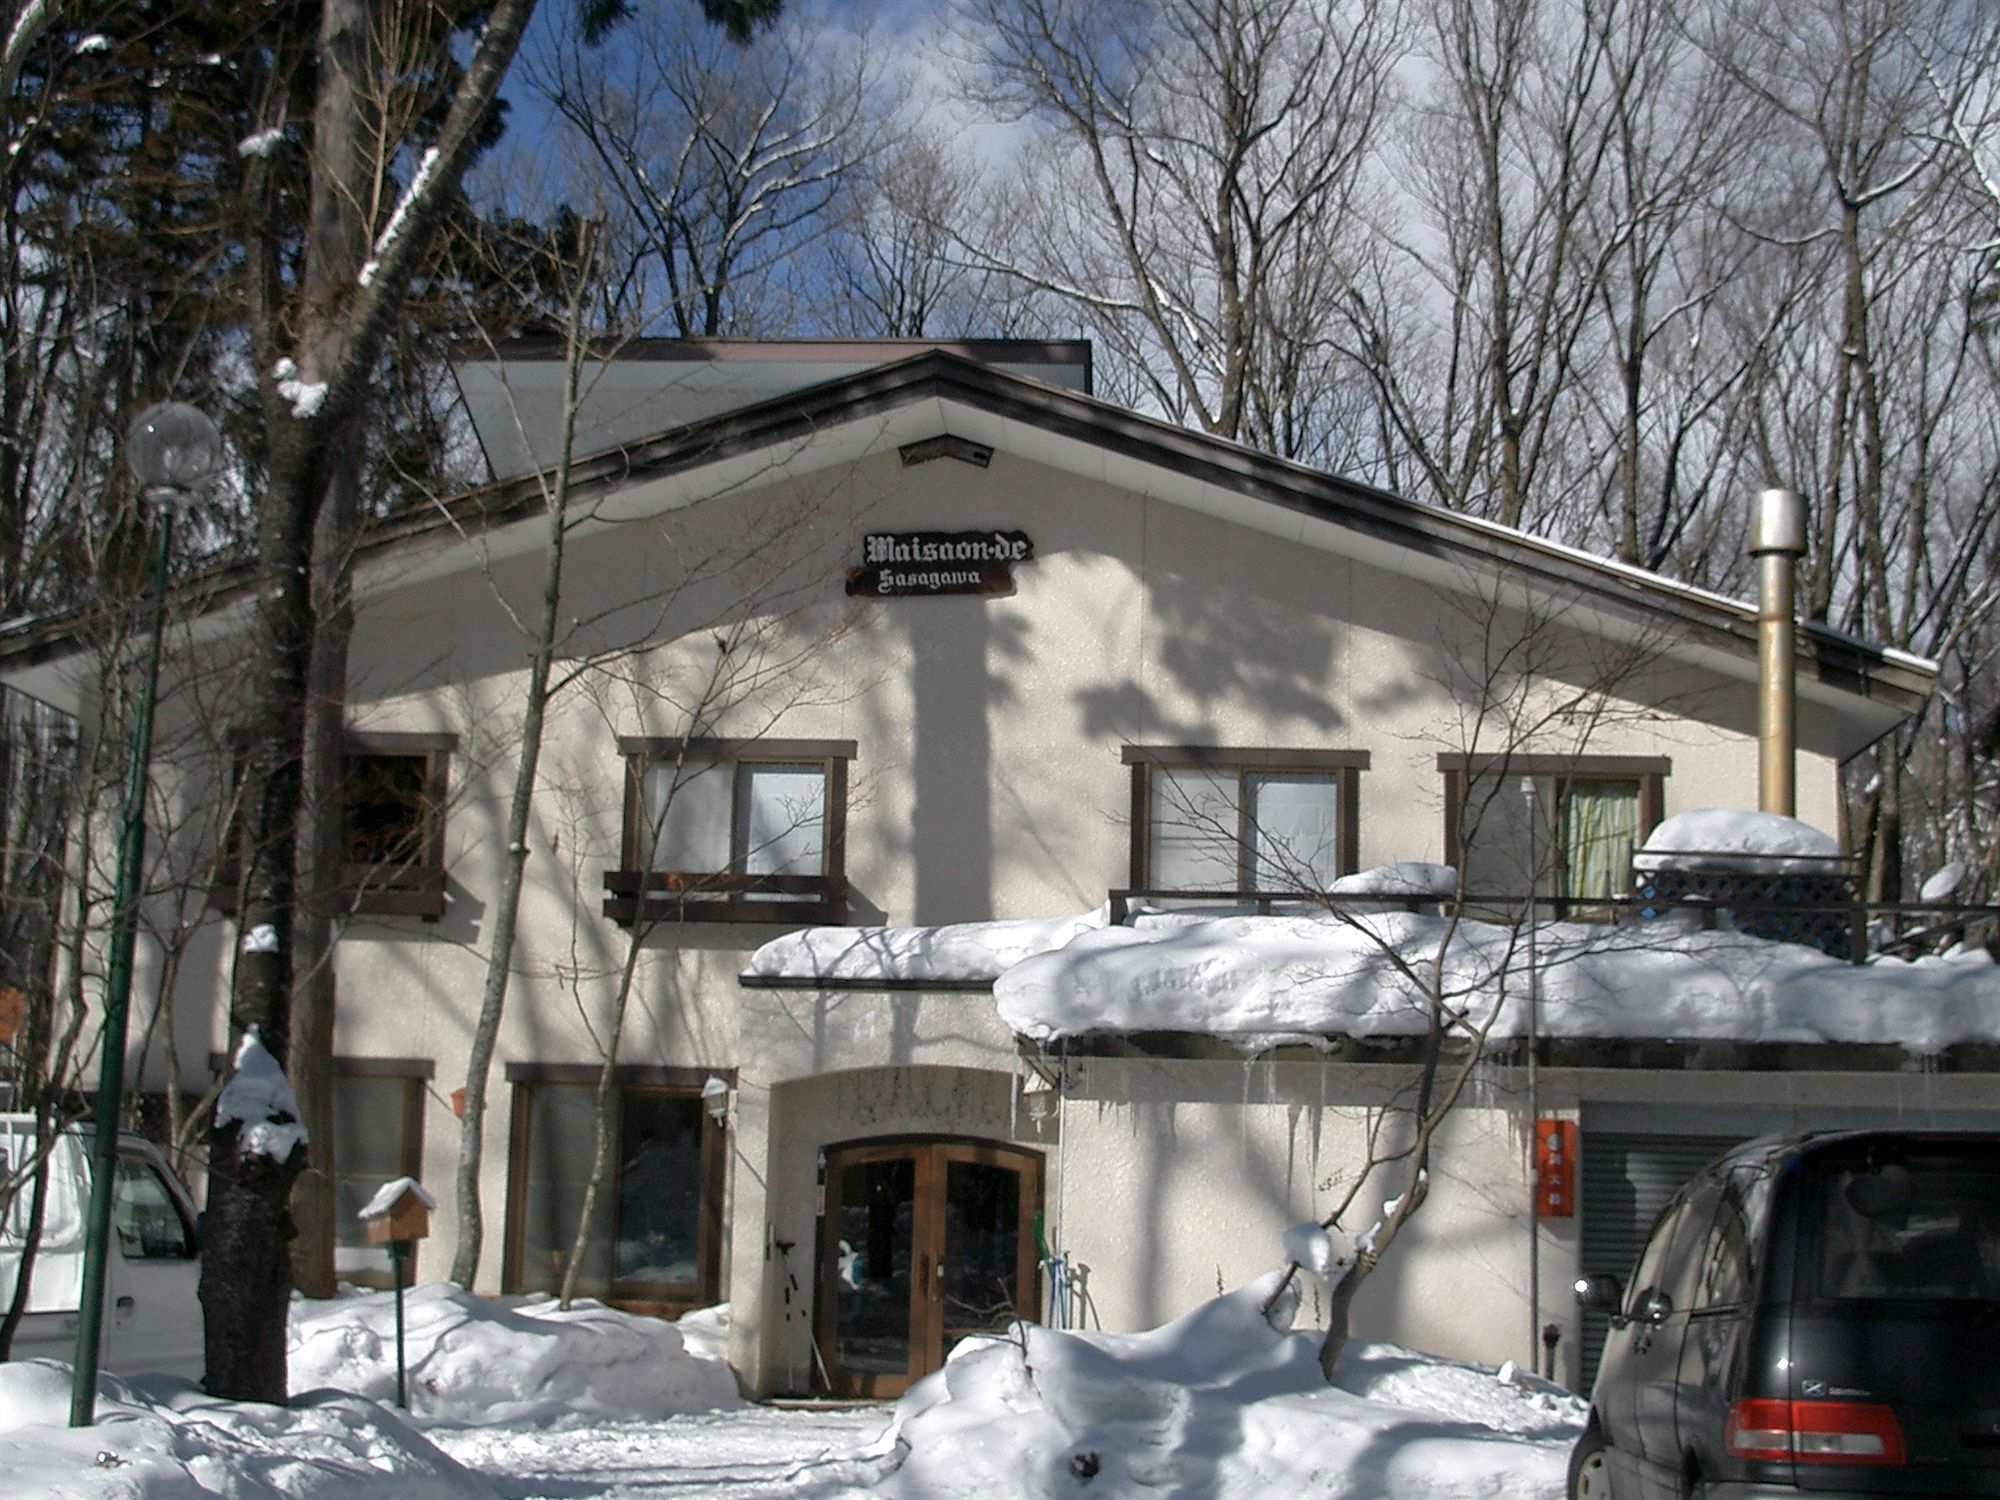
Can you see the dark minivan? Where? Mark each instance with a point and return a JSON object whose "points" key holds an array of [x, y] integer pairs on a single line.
{"points": [[1812, 1316]]}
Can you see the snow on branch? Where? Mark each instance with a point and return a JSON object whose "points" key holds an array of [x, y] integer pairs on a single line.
{"points": [[259, 1097]]}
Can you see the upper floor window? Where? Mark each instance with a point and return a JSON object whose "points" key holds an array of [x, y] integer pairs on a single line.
{"points": [[1574, 848], [393, 792], [733, 831], [1209, 819], [393, 789]]}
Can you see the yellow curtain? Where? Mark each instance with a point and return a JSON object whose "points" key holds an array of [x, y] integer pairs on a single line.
{"points": [[1599, 833]]}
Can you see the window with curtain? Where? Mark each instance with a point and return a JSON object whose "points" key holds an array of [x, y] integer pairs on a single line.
{"points": [[1573, 849], [1269, 821], [746, 817]]}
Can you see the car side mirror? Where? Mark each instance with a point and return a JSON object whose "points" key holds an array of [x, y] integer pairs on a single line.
{"points": [[1600, 1293], [1655, 1307]]}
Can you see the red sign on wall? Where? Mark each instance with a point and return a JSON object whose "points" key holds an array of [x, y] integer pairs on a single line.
{"points": [[1555, 1168]]}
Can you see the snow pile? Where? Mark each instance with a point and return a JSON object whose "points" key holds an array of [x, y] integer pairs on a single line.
{"points": [[162, 1439], [1221, 1403], [705, 1332], [967, 950], [1721, 838], [470, 1359], [1310, 1246], [260, 1096], [263, 143], [1405, 878], [1257, 980]]}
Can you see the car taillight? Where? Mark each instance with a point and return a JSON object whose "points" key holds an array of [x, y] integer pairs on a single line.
{"points": [[1821, 1432]]}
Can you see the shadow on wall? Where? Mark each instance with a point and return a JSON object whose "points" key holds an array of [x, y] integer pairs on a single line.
{"points": [[957, 647], [1230, 617]]}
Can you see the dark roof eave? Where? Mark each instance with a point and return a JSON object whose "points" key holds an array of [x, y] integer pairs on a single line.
{"points": [[1668, 1054]]}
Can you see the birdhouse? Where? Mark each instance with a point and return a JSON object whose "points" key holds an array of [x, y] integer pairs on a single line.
{"points": [[400, 1210]]}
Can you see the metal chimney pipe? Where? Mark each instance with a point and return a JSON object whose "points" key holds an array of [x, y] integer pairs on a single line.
{"points": [[1777, 541]]}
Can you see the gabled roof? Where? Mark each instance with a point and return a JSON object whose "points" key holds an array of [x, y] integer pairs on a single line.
{"points": [[942, 392]]}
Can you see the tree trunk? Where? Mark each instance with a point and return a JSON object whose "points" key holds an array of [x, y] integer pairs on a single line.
{"points": [[245, 1267], [321, 897], [246, 1271]]}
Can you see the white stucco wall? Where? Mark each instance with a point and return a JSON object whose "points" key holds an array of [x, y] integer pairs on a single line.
{"points": [[987, 783]]}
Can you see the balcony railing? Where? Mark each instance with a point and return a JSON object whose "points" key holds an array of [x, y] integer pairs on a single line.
{"points": [[1816, 908]]}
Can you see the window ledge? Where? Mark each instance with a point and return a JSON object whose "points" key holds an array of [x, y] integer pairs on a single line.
{"points": [[366, 890], [633, 896]]}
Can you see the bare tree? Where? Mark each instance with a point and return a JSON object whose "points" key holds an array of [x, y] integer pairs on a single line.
{"points": [[890, 257], [1523, 685], [727, 166], [319, 324], [1197, 169], [541, 637]]}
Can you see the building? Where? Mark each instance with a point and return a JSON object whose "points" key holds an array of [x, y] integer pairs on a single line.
{"points": [[913, 636]]}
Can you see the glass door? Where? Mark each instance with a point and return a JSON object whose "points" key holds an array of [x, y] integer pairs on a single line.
{"points": [[921, 1243]]}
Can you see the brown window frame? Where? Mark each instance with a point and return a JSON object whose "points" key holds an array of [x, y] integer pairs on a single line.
{"points": [[525, 1078], [415, 888], [635, 894], [1650, 772], [1144, 759], [415, 1074]]}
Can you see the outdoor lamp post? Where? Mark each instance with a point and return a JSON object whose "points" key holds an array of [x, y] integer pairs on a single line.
{"points": [[172, 450]]}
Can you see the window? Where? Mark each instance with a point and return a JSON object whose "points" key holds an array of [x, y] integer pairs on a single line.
{"points": [[1266, 821], [1664, 1280], [378, 1136], [733, 831], [656, 1228], [146, 1214], [1729, 1261], [393, 793], [1917, 1224], [1594, 811]]}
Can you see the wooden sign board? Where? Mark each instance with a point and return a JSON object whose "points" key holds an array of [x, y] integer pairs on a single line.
{"points": [[930, 564]]}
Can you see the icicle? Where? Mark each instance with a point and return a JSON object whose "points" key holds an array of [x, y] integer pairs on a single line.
{"points": [[1243, 1115]]}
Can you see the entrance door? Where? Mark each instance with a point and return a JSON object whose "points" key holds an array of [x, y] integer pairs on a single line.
{"points": [[921, 1242]]}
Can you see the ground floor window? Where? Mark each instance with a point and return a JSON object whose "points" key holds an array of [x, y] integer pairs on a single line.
{"points": [[656, 1221], [378, 1136]]}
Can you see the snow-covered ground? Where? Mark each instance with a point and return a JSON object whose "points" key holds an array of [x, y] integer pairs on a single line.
{"points": [[527, 1401]]}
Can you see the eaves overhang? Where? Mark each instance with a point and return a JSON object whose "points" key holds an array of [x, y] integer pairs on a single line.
{"points": [[1869, 689]]}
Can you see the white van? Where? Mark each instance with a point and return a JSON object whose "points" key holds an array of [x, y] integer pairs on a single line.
{"points": [[151, 1293]]}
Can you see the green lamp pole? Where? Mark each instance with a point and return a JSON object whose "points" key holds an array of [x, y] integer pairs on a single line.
{"points": [[172, 450]]}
